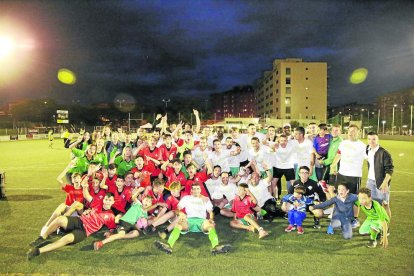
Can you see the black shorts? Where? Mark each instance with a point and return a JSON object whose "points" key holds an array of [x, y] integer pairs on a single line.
{"points": [[288, 173], [353, 182], [75, 227], [125, 226]]}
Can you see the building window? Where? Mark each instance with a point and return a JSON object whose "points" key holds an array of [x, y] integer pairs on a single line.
{"points": [[306, 97], [306, 68], [271, 111], [287, 100], [277, 91], [288, 90], [307, 117], [287, 109], [277, 81], [287, 117], [288, 81], [277, 109], [277, 100], [306, 107], [307, 78], [287, 71]]}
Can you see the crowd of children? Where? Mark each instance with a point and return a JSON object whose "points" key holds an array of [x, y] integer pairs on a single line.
{"points": [[176, 179]]}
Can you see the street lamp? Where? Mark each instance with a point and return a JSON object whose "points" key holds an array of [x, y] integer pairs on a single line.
{"points": [[383, 126], [120, 102], [392, 125], [166, 101], [362, 117], [401, 121]]}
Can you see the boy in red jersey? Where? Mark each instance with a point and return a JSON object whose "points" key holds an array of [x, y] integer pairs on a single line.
{"points": [[94, 194], [171, 200], [243, 214], [156, 193], [78, 228], [196, 177], [152, 155], [112, 176], [127, 228], [142, 173], [168, 150], [74, 197], [122, 196], [173, 173]]}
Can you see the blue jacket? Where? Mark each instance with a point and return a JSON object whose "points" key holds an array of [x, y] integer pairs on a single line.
{"points": [[343, 209]]}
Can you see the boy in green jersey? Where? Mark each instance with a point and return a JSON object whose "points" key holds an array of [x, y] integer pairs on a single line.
{"points": [[377, 219]]}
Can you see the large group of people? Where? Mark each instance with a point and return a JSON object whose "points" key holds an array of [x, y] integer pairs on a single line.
{"points": [[176, 178]]}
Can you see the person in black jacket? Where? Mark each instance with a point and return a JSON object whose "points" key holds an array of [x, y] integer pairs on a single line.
{"points": [[380, 169]]}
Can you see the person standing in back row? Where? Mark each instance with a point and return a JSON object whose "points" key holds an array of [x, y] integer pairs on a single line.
{"points": [[380, 169]]}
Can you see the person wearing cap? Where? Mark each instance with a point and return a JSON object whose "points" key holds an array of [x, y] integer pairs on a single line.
{"points": [[296, 205], [313, 191]]}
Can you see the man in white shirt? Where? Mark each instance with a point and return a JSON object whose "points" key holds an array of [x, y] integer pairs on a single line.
{"points": [[196, 207], [351, 153], [260, 189], [283, 162]]}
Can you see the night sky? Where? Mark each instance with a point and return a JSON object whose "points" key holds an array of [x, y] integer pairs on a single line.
{"points": [[195, 48]]}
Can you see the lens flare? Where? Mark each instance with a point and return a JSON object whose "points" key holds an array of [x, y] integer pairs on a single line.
{"points": [[66, 76], [358, 76]]}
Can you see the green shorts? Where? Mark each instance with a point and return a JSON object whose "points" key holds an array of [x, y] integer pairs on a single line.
{"points": [[234, 170], [195, 225], [245, 222]]}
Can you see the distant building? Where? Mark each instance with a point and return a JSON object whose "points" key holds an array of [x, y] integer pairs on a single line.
{"points": [[293, 89], [397, 105], [237, 102]]}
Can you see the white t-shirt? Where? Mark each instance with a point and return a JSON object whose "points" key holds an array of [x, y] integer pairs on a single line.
{"points": [[229, 190], [352, 158], [260, 156], [220, 159], [243, 146], [304, 152], [198, 156], [284, 156], [233, 160], [371, 170], [196, 207], [261, 192], [213, 188]]}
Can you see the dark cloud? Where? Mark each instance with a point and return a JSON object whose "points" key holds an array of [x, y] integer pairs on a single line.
{"points": [[194, 48]]}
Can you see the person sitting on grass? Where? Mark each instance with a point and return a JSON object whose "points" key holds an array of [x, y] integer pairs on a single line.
{"points": [[243, 214], [74, 197], [343, 212], [377, 219], [196, 207], [77, 228], [296, 204], [127, 227]]}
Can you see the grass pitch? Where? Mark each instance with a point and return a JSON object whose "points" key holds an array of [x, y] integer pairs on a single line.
{"points": [[33, 193]]}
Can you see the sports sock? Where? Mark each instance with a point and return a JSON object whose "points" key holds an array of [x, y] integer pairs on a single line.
{"points": [[175, 234], [212, 235]]}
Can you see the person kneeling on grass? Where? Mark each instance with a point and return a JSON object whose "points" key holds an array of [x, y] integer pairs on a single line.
{"points": [[196, 207], [77, 228], [296, 204], [343, 213], [127, 228], [377, 219], [243, 214]]}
